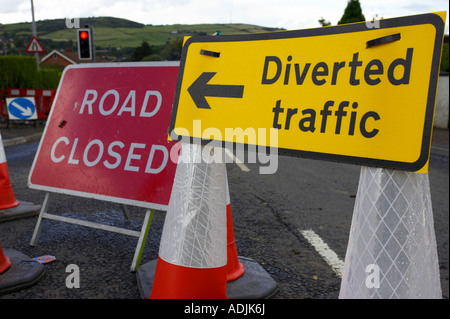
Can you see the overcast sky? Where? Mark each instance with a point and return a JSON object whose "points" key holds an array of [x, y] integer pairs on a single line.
{"points": [[287, 14]]}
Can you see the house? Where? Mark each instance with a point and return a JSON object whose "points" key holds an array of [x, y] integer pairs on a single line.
{"points": [[63, 59]]}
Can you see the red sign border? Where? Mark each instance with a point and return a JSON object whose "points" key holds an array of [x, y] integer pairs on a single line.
{"points": [[29, 44], [118, 200]]}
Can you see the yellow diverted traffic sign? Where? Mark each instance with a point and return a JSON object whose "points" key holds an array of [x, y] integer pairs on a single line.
{"points": [[361, 93]]}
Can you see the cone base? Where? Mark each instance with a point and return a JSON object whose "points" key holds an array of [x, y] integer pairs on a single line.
{"points": [[255, 283], [24, 272], [25, 209]]}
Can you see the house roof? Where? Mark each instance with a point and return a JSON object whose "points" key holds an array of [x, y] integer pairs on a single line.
{"points": [[64, 56], [70, 56]]}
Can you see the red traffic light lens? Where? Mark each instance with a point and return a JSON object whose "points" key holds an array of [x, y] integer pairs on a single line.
{"points": [[83, 35]]}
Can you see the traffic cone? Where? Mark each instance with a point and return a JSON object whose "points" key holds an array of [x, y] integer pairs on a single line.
{"points": [[235, 269], [192, 260], [201, 262], [7, 198], [246, 279], [9, 206], [5, 262], [392, 250]]}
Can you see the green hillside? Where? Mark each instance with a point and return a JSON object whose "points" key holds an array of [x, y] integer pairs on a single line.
{"points": [[111, 33], [155, 35]]}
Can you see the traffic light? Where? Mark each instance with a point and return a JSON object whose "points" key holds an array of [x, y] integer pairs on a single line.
{"points": [[84, 44]]}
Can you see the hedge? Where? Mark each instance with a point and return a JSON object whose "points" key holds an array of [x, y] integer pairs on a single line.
{"points": [[48, 78], [21, 72]]}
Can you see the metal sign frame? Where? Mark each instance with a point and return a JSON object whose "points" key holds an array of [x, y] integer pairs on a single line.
{"points": [[150, 206]]}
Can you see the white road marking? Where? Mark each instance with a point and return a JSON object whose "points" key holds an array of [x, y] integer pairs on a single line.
{"points": [[238, 162], [322, 248]]}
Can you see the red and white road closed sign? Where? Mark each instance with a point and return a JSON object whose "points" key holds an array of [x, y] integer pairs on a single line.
{"points": [[106, 136]]}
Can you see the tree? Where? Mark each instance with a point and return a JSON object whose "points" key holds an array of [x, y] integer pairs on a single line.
{"points": [[352, 13], [172, 52], [324, 23], [141, 52]]}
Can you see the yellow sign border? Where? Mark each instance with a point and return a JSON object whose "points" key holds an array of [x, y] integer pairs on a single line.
{"points": [[435, 19]]}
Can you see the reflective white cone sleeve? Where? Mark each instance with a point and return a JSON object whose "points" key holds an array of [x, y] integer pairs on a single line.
{"points": [[392, 249], [193, 250], [194, 233]]}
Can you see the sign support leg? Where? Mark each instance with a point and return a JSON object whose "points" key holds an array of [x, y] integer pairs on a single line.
{"points": [[38, 228], [142, 235], [142, 239], [126, 212]]}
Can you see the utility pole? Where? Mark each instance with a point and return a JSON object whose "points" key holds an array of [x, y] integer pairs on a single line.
{"points": [[33, 27], [92, 43]]}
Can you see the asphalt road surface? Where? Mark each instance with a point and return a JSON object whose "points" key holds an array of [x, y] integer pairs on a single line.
{"points": [[274, 218]]}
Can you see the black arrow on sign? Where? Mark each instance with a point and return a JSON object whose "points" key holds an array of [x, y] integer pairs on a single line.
{"points": [[200, 89]]}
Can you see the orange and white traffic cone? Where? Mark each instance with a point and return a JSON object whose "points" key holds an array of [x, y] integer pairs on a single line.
{"points": [[192, 261], [5, 262], [10, 208], [7, 198], [198, 256], [235, 269], [246, 279]]}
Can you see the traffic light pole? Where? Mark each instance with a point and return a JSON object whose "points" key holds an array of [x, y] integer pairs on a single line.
{"points": [[92, 42]]}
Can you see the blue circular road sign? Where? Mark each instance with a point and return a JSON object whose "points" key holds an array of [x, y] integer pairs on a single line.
{"points": [[21, 108]]}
